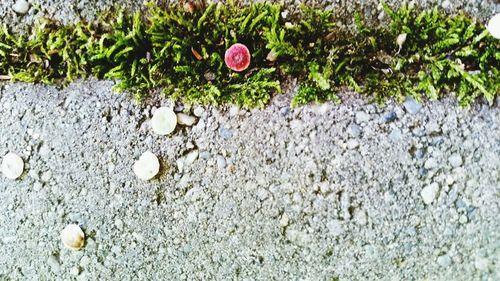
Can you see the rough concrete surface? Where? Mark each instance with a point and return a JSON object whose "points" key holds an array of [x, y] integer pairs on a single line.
{"points": [[313, 193], [322, 192]]}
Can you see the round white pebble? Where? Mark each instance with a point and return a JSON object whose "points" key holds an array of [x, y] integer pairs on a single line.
{"points": [[494, 26], [164, 121], [147, 166], [12, 166]]}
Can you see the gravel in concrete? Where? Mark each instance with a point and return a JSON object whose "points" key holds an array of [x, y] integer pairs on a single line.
{"points": [[312, 193]]}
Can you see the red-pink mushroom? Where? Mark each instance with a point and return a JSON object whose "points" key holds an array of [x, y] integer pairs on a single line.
{"points": [[237, 57]]}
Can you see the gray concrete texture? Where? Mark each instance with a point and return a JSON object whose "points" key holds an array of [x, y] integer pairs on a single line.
{"points": [[353, 191], [312, 193]]}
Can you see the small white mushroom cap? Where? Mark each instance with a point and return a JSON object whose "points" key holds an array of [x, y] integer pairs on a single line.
{"points": [[147, 166], [401, 40], [12, 166], [494, 26], [73, 237], [164, 121]]}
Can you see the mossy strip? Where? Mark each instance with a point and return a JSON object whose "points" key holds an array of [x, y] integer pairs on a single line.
{"points": [[181, 50]]}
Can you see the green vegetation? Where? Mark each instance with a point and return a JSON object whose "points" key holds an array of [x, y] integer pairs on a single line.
{"points": [[181, 51]]}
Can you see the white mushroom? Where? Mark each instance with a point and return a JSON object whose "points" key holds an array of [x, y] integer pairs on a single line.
{"points": [[21, 7], [147, 166], [401, 40], [164, 121], [494, 26], [12, 166], [73, 237]]}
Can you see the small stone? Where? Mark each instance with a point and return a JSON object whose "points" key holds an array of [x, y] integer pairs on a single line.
{"points": [[191, 157], [226, 133], [221, 162], [75, 271], [352, 144], [431, 163], [233, 111], [204, 155], [463, 219], [85, 261], [444, 261], [481, 263], [284, 220], [119, 224], [54, 263], [296, 125], [184, 119], [390, 117], [423, 171], [147, 166], [354, 130], [446, 4], [198, 111], [395, 135], [362, 117], [411, 105], [46, 176], [12, 166], [429, 193], [335, 227], [285, 110], [21, 7], [187, 160], [419, 154], [360, 217], [37, 186], [432, 128], [455, 160], [381, 15]]}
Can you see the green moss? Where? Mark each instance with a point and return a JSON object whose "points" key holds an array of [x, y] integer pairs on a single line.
{"points": [[162, 49]]}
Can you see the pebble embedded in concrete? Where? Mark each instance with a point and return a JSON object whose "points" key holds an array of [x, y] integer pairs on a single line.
{"points": [[455, 160], [186, 120], [411, 105], [430, 163], [226, 133], [362, 117], [429, 193], [444, 261], [396, 135], [354, 130], [390, 116]]}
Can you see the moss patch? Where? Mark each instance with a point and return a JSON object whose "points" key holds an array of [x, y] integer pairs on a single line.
{"points": [[181, 49]]}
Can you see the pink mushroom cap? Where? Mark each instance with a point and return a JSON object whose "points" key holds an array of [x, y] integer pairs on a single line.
{"points": [[237, 57]]}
